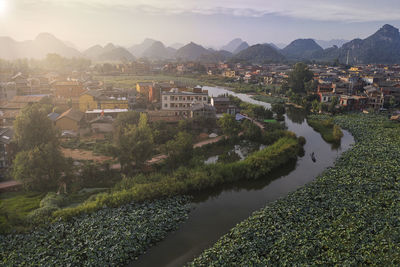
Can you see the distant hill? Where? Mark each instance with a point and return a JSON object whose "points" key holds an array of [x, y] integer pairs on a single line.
{"points": [[157, 51], [137, 50], [216, 56], [274, 46], [260, 53], [301, 49], [235, 46], [241, 47], [176, 45], [108, 53], [191, 52], [381, 47], [331, 43], [38, 48]]}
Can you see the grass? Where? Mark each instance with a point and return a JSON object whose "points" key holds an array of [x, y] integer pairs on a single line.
{"points": [[330, 132], [15, 206]]}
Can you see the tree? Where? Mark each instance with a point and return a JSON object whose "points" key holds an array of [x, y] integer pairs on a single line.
{"points": [[229, 125], [278, 108], [123, 120], [33, 128], [299, 76], [40, 168], [135, 144], [179, 150], [315, 105], [251, 131]]}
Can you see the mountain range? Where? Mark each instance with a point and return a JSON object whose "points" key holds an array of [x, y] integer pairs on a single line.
{"points": [[381, 47]]}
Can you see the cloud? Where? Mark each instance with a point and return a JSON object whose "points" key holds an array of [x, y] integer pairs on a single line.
{"points": [[318, 10]]}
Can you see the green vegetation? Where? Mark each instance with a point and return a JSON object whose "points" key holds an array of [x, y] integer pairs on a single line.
{"points": [[135, 145], [230, 127], [329, 131], [184, 180], [130, 81], [299, 77], [15, 206], [348, 216], [39, 164], [109, 237]]}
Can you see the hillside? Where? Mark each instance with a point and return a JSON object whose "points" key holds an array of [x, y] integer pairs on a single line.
{"points": [[260, 53], [301, 49]]}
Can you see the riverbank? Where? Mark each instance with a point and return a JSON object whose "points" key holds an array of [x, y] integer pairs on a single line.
{"points": [[347, 216], [329, 131]]}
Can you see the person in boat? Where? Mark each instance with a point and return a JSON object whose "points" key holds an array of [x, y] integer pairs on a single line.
{"points": [[313, 157]]}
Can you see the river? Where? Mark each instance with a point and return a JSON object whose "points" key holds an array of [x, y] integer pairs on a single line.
{"points": [[217, 210]]}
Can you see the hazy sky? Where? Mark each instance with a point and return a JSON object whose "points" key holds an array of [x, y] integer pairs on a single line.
{"points": [[208, 22]]}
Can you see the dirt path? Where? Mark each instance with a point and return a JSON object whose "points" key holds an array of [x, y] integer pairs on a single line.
{"points": [[207, 142], [9, 186]]}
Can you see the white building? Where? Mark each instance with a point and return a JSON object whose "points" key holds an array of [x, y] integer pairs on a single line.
{"points": [[182, 101]]}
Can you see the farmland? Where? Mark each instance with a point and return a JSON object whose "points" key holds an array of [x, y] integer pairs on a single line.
{"points": [[106, 237], [348, 216]]}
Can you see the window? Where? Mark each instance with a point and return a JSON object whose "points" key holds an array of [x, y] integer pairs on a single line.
{"points": [[165, 98], [165, 105], [204, 98]]}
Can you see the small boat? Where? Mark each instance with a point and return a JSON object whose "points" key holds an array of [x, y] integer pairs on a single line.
{"points": [[313, 157]]}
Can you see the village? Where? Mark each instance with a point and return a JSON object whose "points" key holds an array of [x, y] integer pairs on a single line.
{"points": [[80, 105]]}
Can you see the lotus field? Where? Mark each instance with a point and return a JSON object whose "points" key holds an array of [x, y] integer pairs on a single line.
{"points": [[350, 215], [104, 238]]}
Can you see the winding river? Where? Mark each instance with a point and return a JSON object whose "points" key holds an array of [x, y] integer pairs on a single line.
{"points": [[218, 210]]}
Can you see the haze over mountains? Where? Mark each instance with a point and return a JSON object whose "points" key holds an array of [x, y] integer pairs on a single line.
{"points": [[381, 47]]}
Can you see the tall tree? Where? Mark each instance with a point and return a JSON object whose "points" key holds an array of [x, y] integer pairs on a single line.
{"points": [[299, 76], [229, 125], [135, 145], [40, 168], [33, 128], [180, 149]]}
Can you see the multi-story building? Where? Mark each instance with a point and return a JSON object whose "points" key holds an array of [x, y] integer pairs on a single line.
{"points": [[181, 102], [92, 99]]}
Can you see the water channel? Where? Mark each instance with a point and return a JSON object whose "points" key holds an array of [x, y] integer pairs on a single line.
{"points": [[216, 211]]}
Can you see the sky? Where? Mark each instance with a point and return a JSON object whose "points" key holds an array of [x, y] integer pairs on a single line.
{"points": [[208, 22]]}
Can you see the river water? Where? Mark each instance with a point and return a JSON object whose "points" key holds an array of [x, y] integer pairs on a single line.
{"points": [[216, 211]]}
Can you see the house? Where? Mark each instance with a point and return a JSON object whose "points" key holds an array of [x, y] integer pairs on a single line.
{"points": [[144, 89], [375, 97], [70, 120], [95, 113], [202, 110], [223, 105], [95, 99], [102, 124], [353, 103], [181, 102], [325, 97], [53, 116], [169, 116], [67, 89]]}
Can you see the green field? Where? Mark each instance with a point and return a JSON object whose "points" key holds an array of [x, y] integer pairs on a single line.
{"points": [[130, 81]]}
